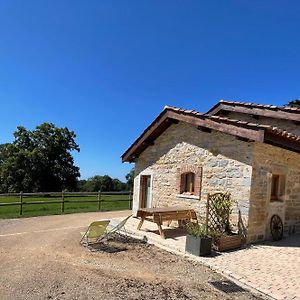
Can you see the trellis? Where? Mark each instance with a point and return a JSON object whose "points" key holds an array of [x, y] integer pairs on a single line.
{"points": [[218, 211]]}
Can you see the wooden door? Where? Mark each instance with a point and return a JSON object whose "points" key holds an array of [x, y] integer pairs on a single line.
{"points": [[145, 195]]}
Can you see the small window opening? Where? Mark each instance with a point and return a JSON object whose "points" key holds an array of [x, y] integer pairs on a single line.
{"points": [[188, 183], [277, 187]]}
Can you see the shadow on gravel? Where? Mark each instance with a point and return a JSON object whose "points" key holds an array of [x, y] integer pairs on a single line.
{"points": [[227, 286], [292, 240], [115, 244], [171, 233]]}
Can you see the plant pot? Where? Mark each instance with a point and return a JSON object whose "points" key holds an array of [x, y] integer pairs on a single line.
{"points": [[228, 242], [199, 246]]}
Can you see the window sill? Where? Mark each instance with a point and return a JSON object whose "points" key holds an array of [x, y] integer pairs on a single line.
{"points": [[276, 201], [189, 197]]}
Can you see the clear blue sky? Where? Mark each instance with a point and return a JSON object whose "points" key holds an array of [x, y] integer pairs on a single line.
{"points": [[105, 69]]}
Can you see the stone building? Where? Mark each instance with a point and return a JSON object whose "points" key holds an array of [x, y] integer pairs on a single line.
{"points": [[249, 150]]}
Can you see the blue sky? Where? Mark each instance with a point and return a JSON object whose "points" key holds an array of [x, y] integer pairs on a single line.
{"points": [[105, 69]]}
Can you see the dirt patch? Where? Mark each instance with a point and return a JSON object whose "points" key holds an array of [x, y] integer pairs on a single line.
{"points": [[143, 271], [53, 265]]}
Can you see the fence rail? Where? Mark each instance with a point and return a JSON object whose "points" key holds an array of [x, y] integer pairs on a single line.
{"points": [[64, 199], [65, 193]]}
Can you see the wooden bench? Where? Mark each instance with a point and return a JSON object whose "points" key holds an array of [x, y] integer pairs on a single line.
{"points": [[166, 214]]}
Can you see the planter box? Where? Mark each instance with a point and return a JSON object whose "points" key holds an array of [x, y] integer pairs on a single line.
{"points": [[198, 246], [228, 242]]}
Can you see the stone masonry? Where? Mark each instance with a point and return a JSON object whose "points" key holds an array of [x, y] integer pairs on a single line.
{"points": [[225, 163], [267, 160], [221, 163]]}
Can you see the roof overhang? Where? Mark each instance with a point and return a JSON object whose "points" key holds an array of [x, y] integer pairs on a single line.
{"points": [[242, 130], [270, 111]]}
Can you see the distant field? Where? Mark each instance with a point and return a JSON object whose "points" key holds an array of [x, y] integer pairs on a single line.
{"points": [[108, 203]]}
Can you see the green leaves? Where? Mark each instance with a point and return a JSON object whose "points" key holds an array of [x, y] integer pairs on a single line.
{"points": [[294, 103], [101, 183], [195, 229], [130, 177], [39, 160]]}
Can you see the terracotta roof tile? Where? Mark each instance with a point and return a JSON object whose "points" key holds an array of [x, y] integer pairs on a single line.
{"points": [[157, 127], [276, 130], [262, 106]]}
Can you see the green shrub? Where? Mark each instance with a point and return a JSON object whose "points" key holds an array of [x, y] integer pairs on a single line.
{"points": [[195, 229]]}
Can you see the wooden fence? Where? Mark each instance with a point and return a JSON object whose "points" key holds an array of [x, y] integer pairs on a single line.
{"points": [[92, 197]]}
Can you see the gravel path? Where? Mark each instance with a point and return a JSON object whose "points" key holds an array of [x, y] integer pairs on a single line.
{"points": [[41, 258]]}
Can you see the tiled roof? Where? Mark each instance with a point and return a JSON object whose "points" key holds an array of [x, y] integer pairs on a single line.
{"points": [[245, 124], [258, 110], [262, 106], [181, 110], [273, 129], [241, 129]]}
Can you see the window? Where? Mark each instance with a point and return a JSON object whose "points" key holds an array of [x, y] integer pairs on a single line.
{"points": [[187, 184], [277, 187]]}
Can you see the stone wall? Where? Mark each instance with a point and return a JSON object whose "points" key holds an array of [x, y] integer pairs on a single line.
{"points": [[290, 126], [225, 161], [269, 159]]}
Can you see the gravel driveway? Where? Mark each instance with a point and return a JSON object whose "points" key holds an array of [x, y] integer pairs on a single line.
{"points": [[41, 258]]}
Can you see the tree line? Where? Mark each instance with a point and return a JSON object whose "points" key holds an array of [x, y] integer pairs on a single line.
{"points": [[41, 160], [105, 184]]}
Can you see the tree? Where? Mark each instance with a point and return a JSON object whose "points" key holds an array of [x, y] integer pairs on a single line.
{"points": [[130, 177], [92, 184], [104, 183], [294, 103], [81, 184], [2, 152], [99, 183], [39, 160], [118, 185]]}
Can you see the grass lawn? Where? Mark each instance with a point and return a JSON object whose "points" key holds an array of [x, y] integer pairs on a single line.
{"points": [[30, 210]]}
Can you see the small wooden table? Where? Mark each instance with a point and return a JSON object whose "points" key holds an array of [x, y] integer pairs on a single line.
{"points": [[163, 214]]}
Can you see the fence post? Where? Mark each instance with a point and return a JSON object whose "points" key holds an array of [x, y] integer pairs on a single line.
{"points": [[99, 200], [207, 213], [130, 199], [21, 203], [63, 202]]}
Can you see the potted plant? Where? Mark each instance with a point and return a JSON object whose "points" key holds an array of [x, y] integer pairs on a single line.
{"points": [[198, 242], [223, 236]]}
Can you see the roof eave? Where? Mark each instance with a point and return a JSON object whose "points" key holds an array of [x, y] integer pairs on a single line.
{"points": [[246, 108], [281, 141], [162, 117], [170, 116]]}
